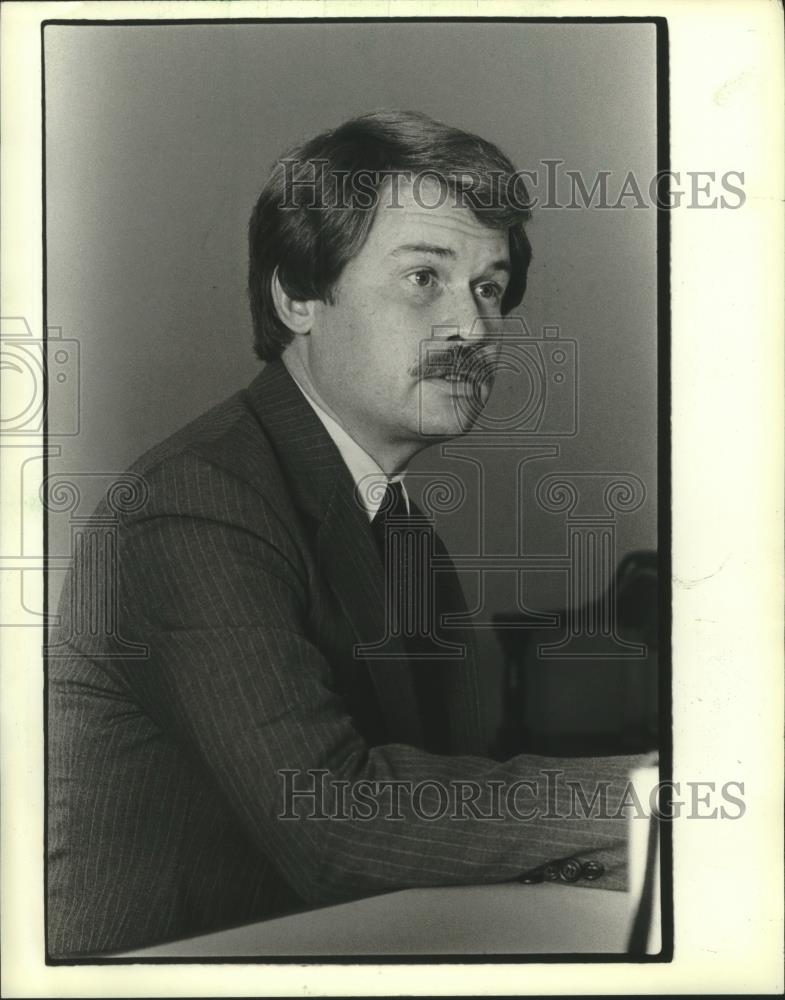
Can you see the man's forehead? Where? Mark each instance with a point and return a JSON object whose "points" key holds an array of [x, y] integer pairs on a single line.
{"points": [[430, 215]]}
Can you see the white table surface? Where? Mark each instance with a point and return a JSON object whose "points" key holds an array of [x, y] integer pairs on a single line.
{"points": [[507, 919]]}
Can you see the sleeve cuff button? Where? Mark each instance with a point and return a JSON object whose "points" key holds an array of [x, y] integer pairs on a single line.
{"points": [[570, 870], [593, 870]]}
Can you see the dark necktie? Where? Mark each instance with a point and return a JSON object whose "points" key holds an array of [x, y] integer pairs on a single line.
{"points": [[405, 540]]}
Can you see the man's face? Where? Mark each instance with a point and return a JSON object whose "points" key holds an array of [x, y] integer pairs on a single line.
{"points": [[411, 310]]}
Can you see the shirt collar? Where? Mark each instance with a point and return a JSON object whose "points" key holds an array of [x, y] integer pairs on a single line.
{"points": [[368, 477]]}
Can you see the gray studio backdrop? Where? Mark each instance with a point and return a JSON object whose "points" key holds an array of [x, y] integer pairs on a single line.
{"points": [[158, 139]]}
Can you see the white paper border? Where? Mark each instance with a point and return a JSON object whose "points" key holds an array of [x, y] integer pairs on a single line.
{"points": [[726, 66]]}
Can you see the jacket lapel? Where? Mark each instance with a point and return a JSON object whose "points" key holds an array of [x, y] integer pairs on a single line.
{"points": [[463, 696], [345, 551]]}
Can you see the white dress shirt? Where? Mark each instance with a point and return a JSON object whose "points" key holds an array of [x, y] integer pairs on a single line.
{"points": [[368, 477]]}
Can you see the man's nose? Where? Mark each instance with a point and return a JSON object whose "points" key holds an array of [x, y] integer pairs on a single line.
{"points": [[463, 320]]}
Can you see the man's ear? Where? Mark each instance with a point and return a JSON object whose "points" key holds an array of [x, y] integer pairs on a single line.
{"points": [[297, 314]]}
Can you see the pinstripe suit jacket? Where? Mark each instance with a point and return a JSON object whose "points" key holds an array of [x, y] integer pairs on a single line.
{"points": [[250, 574]]}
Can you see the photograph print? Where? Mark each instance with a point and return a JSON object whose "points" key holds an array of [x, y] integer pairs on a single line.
{"points": [[355, 487]]}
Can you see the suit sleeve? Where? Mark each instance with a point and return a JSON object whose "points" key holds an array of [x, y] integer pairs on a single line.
{"points": [[213, 583]]}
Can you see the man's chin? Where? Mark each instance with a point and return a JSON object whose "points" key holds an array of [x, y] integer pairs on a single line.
{"points": [[448, 411]]}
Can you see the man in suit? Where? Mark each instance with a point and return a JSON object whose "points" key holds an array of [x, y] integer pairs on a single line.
{"points": [[206, 783]]}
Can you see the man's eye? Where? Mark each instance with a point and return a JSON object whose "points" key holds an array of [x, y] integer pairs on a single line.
{"points": [[422, 278], [489, 290]]}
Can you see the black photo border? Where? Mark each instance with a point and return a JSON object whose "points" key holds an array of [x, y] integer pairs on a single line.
{"points": [[664, 537]]}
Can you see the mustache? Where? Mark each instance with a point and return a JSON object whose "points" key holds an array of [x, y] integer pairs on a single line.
{"points": [[473, 362]]}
